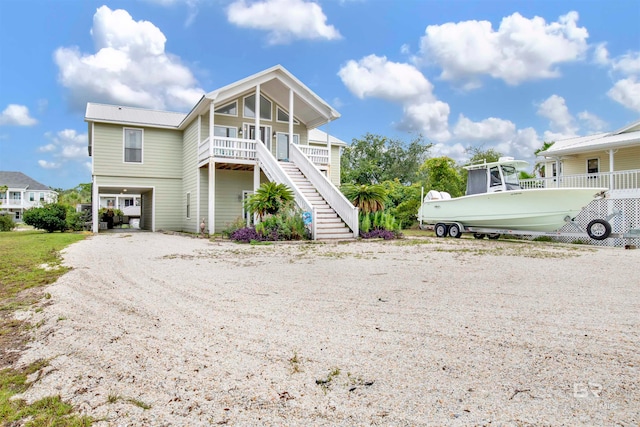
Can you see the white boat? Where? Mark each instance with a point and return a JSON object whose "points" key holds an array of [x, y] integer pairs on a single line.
{"points": [[494, 200]]}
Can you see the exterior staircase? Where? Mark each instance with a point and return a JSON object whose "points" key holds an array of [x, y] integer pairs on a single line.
{"points": [[329, 224]]}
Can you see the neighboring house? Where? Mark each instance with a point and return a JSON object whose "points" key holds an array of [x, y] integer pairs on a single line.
{"points": [[607, 160], [129, 204], [199, 167], [23, 193], [610, 160]]}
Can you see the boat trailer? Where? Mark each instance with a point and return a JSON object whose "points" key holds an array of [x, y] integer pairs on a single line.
{"points": [[597, 229]]}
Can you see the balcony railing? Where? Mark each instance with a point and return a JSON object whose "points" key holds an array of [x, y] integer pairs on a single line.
{"points": [[20, 203], [245, 149], [621, 180]]}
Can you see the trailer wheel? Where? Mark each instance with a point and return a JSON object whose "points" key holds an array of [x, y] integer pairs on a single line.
{"points": [[493, 236], [454, 231], [441, 230], [599, 229], [478, 236]]}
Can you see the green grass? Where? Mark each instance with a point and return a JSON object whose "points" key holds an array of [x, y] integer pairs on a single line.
{"points": [[23, 254]]}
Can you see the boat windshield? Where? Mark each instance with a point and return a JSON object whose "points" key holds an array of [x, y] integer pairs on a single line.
{"points": [[510, 177]]}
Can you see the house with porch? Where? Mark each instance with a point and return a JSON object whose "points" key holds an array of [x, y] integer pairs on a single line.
{"points": [[22, 192], [198, 167], [609, 160]]}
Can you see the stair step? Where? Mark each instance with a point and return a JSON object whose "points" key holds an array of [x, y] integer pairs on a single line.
{"points": [[336, 236], [330, 220]]}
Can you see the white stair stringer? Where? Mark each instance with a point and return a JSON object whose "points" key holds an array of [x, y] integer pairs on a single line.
{"points": [[328, 224]]}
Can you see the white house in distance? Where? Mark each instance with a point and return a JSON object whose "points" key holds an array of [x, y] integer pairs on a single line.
{"points": [[198, 167], [23, 193], [610, 160]]}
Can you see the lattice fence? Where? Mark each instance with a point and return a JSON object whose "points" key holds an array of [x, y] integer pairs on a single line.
{"points": [[627, 219]]}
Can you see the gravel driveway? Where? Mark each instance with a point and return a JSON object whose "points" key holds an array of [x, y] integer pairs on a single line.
{"points": [[151, 329]]}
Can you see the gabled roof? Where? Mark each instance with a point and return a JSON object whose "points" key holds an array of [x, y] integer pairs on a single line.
{"points": [[274, 82], [316, 135], [21, 181], [105, 113], [628, 136]]}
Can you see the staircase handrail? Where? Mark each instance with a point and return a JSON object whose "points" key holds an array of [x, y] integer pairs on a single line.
{"points": [[343, 207], [274, 172]]}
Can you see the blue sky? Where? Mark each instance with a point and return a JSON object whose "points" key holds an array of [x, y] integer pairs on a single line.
{"points": [[493, 74]]}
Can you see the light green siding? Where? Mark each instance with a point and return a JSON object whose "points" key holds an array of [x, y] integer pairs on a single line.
{"points": [[229, 187], [335, 165], [190, 176], [204, 194], [161, 152], [624, 159]]}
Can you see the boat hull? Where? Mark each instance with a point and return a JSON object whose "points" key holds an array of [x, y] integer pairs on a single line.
{"points": [[544, 209]]}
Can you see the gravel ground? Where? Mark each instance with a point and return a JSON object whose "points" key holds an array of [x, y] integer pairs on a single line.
{"points": [[150, 329]]}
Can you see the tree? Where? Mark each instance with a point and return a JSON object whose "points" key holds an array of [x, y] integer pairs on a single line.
{"points": [[74, 196], [268, 199], [368, 198], [441, 174], [375, 159], [478, 155], [539, 167], [51, 217]]}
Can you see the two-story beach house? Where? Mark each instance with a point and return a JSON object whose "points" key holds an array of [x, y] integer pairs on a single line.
{"points": [[22, 193], [610, 160], [195, 168]]}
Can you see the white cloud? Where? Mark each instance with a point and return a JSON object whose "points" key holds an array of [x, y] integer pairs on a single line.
{"points": [[627, 93], [16, 115], [192, 8], [561, 123], [130, 66], [601, 54], [65, 146], [376, 77], [520, 49], [284, 20], [48, 165], [593, 123], [498, 134]]}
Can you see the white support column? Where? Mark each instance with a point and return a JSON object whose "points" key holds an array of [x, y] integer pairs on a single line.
{"points": [[558, 173], [612, 185], [256, 184], [290, 117], [197, 230], [211, 127], [212, 196], [257, 114], [95, 206]]}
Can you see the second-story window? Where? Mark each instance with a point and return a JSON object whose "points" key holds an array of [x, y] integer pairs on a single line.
{"points": [[32, 197], [593, 165], [133, 145], [250, 104]]}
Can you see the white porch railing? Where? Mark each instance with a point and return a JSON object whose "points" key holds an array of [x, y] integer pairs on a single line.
{"points": [[232, 148], [343, 207], [318, 155], [275, 173], [621, 180], [245, 149]]}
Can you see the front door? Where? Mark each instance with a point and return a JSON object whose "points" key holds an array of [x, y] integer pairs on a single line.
{"points": [[282, 142], [265, 135]]}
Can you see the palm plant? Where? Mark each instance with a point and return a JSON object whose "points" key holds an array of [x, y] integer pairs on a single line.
{"points": [[268, 199], [368, 198]]}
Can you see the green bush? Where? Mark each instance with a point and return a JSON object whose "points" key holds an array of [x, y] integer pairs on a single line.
{"points": [[234, 226], [76, 220], [6, 222], [285, 225], [51, 217], [406, 212]]}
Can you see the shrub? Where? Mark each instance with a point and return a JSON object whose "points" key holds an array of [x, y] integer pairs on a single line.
{"points": [[6, 222], [269, 199], [245, 235], [406, 212], [234, 226], [76, 220], [379, 225], [51, 217]]}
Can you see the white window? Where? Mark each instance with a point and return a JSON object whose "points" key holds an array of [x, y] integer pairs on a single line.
{"points": [[32, 197], [42, 197], [593, 165], [225, 131], [283, 117], [249, 107], [229, 109], [133, 145], [188, 205]]}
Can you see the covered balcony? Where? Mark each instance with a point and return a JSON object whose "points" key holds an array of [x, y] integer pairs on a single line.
{"points": [[622, 182]]}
